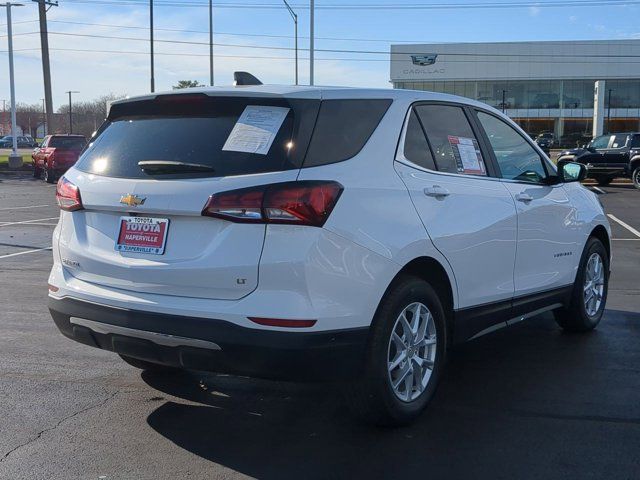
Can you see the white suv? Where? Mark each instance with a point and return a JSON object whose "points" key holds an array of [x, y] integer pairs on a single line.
{"points": [[319, 233]]}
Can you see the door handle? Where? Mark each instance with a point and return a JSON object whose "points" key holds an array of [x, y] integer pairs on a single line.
{"points": [[524, 197], [436, 191]]}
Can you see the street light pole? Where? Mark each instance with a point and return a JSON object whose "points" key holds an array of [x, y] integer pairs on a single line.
{"points": [[211, 42], [295, 22], [311, 40], [609, 112], [153, 81], [70, 111], [503, 100], [15, 160]]}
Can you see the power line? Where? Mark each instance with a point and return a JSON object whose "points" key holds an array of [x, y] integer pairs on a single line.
{"points": [[376, 6], [258, 57], [334, 50]]}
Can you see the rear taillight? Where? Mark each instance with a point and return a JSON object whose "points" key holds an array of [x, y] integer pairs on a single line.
{"points": [[68, 195], [296, 203]]}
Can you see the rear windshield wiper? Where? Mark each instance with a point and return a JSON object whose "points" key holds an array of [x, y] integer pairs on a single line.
{"points": [[169, 166]]}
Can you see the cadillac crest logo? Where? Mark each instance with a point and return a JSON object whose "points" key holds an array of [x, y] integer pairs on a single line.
{"points": [[424, 60]]}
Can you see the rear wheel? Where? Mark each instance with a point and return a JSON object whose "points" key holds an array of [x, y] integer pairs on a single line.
{"points": [[49, 175], [635, 177], [405, 357], [147, 366], [589, 292], [37, 173]]}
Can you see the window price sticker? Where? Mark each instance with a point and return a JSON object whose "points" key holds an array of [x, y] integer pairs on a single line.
{"points": [[468, 156]]}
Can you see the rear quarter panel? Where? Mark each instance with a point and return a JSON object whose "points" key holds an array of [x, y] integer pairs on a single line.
{"points": [[375, 210]]}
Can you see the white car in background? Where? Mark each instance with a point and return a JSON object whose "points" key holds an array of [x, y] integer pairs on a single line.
{"points": [[319, 233]]}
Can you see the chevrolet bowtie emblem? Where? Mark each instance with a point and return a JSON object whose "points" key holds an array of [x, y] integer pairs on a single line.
{"points": [[132, 200]]}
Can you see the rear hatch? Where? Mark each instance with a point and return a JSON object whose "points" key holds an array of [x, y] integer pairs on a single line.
{"points": [[191, 146]]}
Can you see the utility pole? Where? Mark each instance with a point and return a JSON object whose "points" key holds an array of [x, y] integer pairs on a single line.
{"points": [[311, 42], [70, 111], [15, 160], [609, 112], [153, 81], [211, 42], [504, 92], [295, 22], [43, 7]]}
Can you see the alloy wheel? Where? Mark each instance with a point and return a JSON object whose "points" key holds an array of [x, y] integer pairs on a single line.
{"points": [[593, 284], [412, 352]]}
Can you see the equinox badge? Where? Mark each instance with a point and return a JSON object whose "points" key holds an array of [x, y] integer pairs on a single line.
{"points": [[132, 200]]}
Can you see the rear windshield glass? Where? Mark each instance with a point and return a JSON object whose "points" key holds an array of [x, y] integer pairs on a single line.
{"points": [[72, 143], [194, 129]]}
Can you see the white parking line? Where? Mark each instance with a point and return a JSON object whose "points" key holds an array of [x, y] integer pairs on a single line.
{"points": [[21, 208], [628, 227], [599, 190], [7, 224], [626, 239], [24, 253]]}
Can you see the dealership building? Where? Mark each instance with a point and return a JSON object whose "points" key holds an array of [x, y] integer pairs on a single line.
{"points": [[544, 86]]}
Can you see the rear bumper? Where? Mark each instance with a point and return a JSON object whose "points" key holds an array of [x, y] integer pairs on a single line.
{"points": [[213, 345]]}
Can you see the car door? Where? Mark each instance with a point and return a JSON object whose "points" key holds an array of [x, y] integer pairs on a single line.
{"points": [[548, 226], [597, 148], [617, 153], [40, 154], [469, 216]]}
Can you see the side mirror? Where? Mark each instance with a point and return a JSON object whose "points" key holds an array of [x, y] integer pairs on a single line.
{"points": [[571, 171]]}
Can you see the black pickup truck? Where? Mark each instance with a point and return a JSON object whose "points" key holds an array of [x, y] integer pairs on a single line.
{"points": [[609, 156]]}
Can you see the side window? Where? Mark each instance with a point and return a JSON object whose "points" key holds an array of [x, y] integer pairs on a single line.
{"points": [[601, 142], [454, 146], [416, 149], [619, 141], [516, 158], [635, 142], [343, 128]]}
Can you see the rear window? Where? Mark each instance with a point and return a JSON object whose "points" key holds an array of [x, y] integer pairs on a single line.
{"points": [[195, 129], [343, 128], [71, 143]]}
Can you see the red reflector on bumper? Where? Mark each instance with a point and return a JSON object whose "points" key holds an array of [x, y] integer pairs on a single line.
{"points": [[283, 322], [53, 288]]}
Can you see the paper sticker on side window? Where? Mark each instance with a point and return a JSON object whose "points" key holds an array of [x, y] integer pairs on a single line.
{"points": [[256, 129], [468, 156]]}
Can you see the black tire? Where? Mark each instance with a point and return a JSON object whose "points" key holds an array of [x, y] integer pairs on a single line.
{"points": [[147, 366], [603, 181], [37, 173], [49, 175], [635, 177], [372, 398], [574, 317]]}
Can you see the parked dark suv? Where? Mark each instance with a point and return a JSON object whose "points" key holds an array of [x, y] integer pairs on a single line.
{"points": [[609, 156]]}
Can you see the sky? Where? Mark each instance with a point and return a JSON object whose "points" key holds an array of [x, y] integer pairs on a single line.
{"points": [[83, 59]]}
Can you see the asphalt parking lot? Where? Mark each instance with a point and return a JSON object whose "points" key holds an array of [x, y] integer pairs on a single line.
{"points": [[526, 402]]}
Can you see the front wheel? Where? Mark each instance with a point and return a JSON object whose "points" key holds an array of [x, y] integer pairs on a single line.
{"points": [[49, 175], [37, 173], [405, 355], [603, 181], [635, 177], [589, 292]]}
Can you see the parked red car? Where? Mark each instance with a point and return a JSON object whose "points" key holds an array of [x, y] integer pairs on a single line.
{"points": [[56, 155]]}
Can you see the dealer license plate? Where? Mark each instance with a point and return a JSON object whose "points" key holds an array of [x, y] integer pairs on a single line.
{"points": [[142, 235]]}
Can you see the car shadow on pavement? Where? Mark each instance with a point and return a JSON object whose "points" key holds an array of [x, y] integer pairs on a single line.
{"points": [[525, 402]]}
